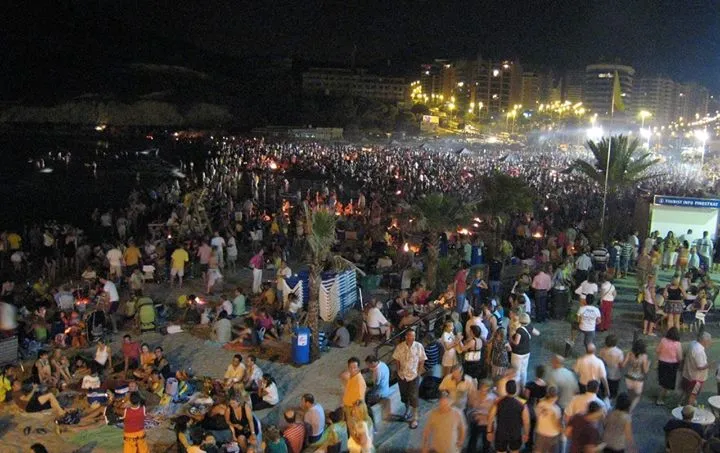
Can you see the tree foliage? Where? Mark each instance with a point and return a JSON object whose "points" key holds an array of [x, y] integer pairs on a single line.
{"points": [[628, 164]]}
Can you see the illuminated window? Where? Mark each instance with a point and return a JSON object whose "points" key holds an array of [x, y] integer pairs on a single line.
{"points": [[496, 72]]}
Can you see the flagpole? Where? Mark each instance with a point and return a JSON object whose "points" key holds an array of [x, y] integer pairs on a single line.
{"points": [[607, 166]]}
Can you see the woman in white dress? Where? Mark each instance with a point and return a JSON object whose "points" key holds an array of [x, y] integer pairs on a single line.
{"points": [[449, 342]]}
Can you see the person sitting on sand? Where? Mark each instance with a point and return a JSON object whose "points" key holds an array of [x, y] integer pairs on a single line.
{"points": [[35, 398], [44, 370]]}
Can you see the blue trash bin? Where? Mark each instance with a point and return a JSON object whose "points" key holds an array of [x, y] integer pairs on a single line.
{"points": [[301, 346]]}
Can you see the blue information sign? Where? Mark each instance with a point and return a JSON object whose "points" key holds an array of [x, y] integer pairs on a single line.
{"points": [[687, 202]]}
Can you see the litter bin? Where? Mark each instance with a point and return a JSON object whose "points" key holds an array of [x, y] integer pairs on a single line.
{"points": [[301, 346]]}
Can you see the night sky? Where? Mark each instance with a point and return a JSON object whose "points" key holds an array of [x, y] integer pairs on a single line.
{"points": [[677, 38]]}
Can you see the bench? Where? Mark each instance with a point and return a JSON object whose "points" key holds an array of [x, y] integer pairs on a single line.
{"points": [[386, 408]]}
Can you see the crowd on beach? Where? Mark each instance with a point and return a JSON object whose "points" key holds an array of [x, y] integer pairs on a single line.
{"points": [[67, 289]]}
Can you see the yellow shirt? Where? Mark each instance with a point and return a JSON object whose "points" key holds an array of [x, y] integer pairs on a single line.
{"points": [[182, 301], [132, 256], [179, 258], [235, 374], [5, 387], [14, 241], [354, 390]]}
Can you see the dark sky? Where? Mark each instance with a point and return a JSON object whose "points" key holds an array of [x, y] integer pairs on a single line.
{"points": [[672, 37]]}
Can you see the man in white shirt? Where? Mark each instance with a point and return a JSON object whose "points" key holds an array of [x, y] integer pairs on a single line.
{"points": [[588, 317], [113, 299], [583, 264], [579, 403], [695, 367], [377, 321], [705, 251], [476, 320], [114, 257], [409, 357], [218, 244], [590, 368]]}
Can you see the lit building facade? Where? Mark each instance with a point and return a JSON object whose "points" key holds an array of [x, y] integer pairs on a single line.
{"points": [[358, 83], [598, 88], [498, 86], [655, 95], [691, 101]]}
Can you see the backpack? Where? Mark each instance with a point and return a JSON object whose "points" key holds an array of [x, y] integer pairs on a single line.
{"points": [[430, 388]]}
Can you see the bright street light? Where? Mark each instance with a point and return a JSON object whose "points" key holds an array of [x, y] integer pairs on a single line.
{"points": [[644, 114], [595, 133], [702, 135]]}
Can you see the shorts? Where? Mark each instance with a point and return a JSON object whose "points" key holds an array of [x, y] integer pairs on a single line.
{"points": [[692, 387], [648, 312], [179, 272], [204, 267], [116, 270], [409, 391], [503, 442]]}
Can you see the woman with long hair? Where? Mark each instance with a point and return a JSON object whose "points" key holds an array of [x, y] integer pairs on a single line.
{"points": [[674, 296], [472, 353], [637, 364], [498, 349]]}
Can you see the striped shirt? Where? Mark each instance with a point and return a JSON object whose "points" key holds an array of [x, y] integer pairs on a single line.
{"points": [[626, 249]]}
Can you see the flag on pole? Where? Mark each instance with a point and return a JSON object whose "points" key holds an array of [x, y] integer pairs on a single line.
{"points": [[617, 100]]}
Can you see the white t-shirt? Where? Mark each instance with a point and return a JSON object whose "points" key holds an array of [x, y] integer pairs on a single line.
{"points": [[218, 243], [272, 396], [607, 291], [695, 358], [589, 368], [228, 307], [579, 404], [114, 256], [588, 316], [110, 288], [476, 321], [232, 247], [612, 357], [586, 288], [548, 416], [375, 318]]}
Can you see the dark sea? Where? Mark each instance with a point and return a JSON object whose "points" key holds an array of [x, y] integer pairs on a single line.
{"points": [[40, 183]]}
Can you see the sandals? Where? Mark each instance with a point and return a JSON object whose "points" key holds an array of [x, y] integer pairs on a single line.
{"points": [[27, 430], [41, 431]]}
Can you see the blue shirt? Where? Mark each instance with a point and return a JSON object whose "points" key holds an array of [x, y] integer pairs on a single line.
{"points": [[382, 380]]}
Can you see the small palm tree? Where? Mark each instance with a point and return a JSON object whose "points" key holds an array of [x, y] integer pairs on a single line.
{"points": [[320, 240], [628, 165], [433, 215], [503, 195]]}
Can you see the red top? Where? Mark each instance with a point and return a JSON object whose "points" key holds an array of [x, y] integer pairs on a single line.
{"points": [[134, 419], [131, 350]]}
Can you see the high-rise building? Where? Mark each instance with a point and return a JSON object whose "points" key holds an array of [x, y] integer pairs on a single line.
{"points": [[691, 101], [346, 82], [655, 95], [537, 88], [499, 86], [598, 88], [572, 86], [438, 79]]}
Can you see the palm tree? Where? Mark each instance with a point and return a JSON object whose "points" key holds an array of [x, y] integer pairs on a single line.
{"points": [[502, 196], [624, 165], [433, 215], [628, 166], [320, 240]]}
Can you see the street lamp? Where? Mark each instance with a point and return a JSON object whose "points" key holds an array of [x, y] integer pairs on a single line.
{"points": [[644, 114], [702, 135], [645, 133]]}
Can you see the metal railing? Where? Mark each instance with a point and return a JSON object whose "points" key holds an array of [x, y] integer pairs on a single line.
{"points": [[422, 326]]}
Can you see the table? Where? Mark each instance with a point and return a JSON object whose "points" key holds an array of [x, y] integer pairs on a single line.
{"points": [[714, 402], [702, 416]]}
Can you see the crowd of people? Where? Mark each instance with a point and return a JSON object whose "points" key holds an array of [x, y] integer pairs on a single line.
{"points": [[65, 287]]}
